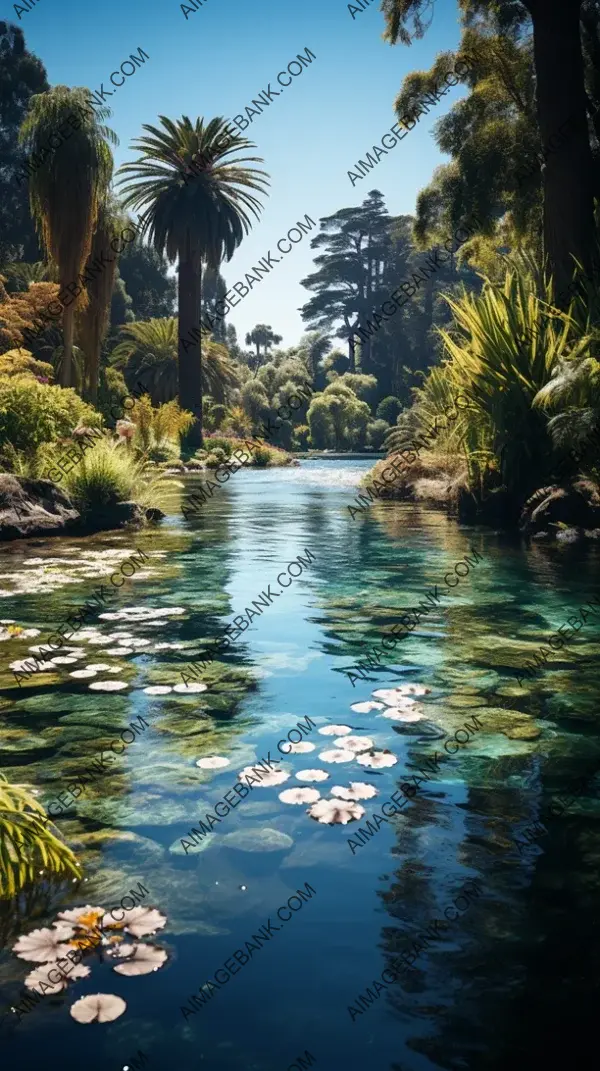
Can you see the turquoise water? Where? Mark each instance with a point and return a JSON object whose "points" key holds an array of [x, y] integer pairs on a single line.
{"points": [[514, 974]]}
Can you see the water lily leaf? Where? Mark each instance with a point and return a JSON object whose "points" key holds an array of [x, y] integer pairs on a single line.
{"points": [[98, 1007], [143, 960]]}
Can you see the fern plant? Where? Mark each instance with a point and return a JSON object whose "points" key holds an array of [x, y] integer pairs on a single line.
{"points": [[28, 846]]}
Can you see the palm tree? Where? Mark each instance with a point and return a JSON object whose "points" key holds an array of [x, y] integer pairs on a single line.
{"points": [[197, 223], [19, 274], [262, 335], [148, 352], [93, 321], [67, 187]]}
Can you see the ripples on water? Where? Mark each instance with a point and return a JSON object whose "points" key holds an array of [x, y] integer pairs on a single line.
{"points": [[509, 975]]}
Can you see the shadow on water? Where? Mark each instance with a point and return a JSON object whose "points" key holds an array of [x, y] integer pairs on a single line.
{"points": [[514, 975]]}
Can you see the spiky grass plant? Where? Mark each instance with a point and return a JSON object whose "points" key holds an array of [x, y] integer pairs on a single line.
{"points": [[502, 349], [27, 844], [109, 473]]}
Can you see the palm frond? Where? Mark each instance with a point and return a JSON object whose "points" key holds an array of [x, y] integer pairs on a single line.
{"points": [[28, 844]]}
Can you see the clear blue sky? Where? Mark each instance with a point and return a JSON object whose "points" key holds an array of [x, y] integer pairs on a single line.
{"points": [[221, 57]]}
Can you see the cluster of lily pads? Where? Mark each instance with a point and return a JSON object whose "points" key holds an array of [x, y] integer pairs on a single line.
{"points": [[41, 576], [395, 704], [91, 929], [120, 644]]}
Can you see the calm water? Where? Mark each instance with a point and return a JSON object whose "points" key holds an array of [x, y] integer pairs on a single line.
{"points": [[515, 976]]}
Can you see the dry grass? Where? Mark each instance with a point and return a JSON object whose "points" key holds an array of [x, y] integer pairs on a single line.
{"points": [[432, 477]]}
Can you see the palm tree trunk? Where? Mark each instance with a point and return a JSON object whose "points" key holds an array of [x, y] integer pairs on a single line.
{"points": [[189, 362], [64, 377], [568, 172]]}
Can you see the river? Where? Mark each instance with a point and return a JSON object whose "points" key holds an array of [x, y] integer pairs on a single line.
{"points": [[482, 842]]}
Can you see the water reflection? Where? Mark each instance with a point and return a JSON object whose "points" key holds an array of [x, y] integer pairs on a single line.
{"points": [[489, 989]]}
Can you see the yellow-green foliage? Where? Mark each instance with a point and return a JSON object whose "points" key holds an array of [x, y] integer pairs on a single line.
{"points": [[32, 413], [158, 427], [170, 422], [106, 474], [109, 473], [21, 362], [27, 843], [501, 349], [237, 422]]}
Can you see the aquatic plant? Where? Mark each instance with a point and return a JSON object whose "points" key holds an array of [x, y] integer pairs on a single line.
{"points": [[84, 930], [270, 777], [28, 847], [377, 759], [335, 812], [312, 775], [98, 1007], [356, 790], [366, 708], [354, 743], [299, 795], [337, 755]]}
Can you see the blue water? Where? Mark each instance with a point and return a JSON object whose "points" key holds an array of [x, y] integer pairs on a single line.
{"points": [[513, 967]]}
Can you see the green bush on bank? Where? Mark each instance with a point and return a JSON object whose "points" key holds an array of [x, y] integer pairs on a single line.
{"points": [[33, 413]]}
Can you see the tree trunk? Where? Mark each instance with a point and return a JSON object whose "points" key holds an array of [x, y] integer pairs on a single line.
{"points": [[94, 375], [189, 353], [65, 374], [567, 173], [351, 346]]}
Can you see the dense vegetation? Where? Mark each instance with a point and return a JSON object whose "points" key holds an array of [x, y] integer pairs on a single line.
{"points": [[496, 316]]}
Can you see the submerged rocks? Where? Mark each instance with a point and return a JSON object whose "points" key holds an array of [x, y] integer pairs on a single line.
{"points": [[511, 723], [257, 839]]}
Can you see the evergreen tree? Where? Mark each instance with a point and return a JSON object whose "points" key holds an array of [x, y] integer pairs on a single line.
{"points": [[21, 75]]}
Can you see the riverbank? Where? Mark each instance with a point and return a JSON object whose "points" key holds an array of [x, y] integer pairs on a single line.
{"points": [[567, 512]]}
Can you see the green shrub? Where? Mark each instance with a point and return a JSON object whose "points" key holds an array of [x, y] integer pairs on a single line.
{"points": [[109, 473], [159, 429], [376, 433], [216, 457], [262, 456], [106, 474], [112, 390], [213, 442], [21, 362], [32, 413], [301, 437], [389, 409], [165, 451]]}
